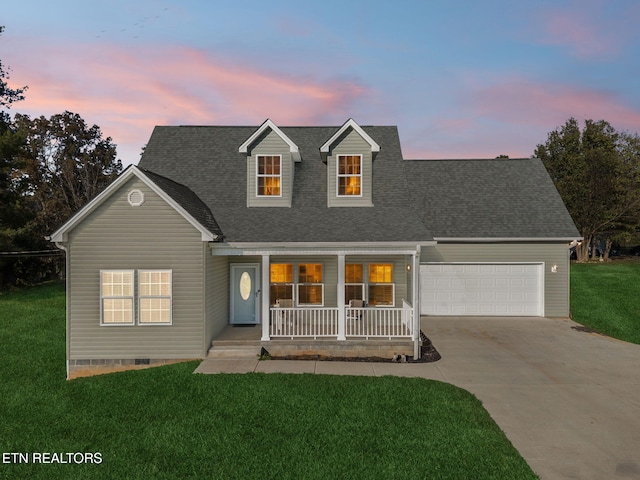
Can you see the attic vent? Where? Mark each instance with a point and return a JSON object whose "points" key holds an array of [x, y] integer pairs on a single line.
{"points": [[135, 198]]}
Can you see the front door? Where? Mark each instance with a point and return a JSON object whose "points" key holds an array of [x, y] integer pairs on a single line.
{"points": [[245, 295]]}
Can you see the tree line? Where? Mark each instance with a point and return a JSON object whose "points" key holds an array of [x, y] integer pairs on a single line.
{"points": [[49, 168], [596, 170]]}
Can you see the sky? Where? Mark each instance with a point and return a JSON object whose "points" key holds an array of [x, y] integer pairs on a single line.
{"points": [[460, 79]]}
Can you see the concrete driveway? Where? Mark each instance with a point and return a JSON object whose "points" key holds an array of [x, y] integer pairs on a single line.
{"points": [[569, 401]]}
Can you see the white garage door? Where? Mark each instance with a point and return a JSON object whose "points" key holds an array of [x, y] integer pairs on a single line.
{"points": [[482, 289]]}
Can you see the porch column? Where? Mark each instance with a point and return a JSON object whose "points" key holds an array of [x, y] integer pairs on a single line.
{"points": [[416, 303], [341, 312], [264, 299]]}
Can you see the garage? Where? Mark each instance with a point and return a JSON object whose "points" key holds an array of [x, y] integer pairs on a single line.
{"points": [[513, 289]]}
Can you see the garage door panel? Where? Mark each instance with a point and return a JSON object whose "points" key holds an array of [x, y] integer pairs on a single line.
{"points": [[482, 289]]}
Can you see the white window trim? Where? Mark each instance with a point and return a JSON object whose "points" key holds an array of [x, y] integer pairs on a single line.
{"points": [[298, 285], [132, 297], [339, 175], [258, 175], [170, 297]]}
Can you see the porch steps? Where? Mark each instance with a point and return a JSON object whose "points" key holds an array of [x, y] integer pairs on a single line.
{"points": [[234, 351]]}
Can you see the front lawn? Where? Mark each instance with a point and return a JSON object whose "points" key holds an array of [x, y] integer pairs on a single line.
{"points": [[606, 297], [166, 422]]}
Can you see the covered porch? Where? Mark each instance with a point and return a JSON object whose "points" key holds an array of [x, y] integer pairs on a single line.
{"points": [[356, 294]]}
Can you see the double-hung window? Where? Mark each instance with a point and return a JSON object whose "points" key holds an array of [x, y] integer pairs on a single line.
{"points": [[154, 296], [310, 286], [281, 282], [116, 297], [381, 286], [349, 175], [353, 279], [269, 175]]}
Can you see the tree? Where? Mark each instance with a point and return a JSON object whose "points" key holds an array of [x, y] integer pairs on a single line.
{"points": [[64, 164], [12, 211], [10, 141], [596, 172]]}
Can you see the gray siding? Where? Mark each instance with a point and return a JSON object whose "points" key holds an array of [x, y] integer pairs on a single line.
{"points": [[270, 144], [152, 236], [217, 296], [350, 144], [556, 285]]}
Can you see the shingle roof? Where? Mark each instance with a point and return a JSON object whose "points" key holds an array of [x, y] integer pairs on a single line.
{"points": [[206, 160], [187, 200], [414, 200], [499, 198]]}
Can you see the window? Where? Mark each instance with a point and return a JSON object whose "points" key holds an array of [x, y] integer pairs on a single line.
{"points": [[349, 175], [381, 286], [116, 297], [268, 175], [354, 286], [154, 291], [310, 286], [281, 279]]}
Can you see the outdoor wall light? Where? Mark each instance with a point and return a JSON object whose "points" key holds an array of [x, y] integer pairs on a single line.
{"points": [[554, 269]]}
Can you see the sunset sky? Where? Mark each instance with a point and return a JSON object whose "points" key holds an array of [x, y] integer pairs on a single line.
{"points": [[460, 79]]}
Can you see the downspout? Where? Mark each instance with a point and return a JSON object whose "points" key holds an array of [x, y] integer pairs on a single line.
{"points": [[67, 281]]}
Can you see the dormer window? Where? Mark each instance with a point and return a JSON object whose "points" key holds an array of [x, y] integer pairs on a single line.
{"points": [[271, 157], [349, 175], [269, 175], [349, 155]]}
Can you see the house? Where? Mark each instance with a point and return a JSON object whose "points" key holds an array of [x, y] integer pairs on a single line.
{"points": [[312, 234]]}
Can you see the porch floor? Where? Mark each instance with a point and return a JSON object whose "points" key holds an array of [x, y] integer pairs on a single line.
{"points": [[232, 339]]}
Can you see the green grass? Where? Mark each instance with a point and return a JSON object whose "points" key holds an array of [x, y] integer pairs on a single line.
{"points": [[166, 422], [606, 297]]}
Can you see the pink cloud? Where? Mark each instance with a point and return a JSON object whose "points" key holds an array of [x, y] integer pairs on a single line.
{"points": [[510, 117], [589, 28], [525, 102], [128, 91]]}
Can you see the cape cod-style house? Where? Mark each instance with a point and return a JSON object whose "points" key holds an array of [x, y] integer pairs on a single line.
{"points": [[325, 235]]}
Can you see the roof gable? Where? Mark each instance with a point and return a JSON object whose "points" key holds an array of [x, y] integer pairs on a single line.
{"points": [[185, 202], [351, 123], [268, 124]]}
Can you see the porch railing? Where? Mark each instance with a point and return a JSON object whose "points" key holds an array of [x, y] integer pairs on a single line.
{"points": [[379, 322], [367, 322], [304, 322]]}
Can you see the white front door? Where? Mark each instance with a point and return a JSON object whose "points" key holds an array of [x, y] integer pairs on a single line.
{"points": [[245, 295]]}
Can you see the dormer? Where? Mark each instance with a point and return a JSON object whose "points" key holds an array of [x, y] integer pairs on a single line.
{"points": [[349, 153], [271, 156]]}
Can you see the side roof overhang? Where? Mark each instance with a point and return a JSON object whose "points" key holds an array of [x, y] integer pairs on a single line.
{"points": [[268, 124], [351, 123], [61, 235]]}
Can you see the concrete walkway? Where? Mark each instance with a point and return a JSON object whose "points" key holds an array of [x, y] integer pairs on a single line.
{"points": [[569, 401]]}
